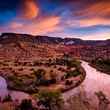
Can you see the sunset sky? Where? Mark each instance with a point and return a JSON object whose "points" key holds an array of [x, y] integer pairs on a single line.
{"points": [[85, 19]]}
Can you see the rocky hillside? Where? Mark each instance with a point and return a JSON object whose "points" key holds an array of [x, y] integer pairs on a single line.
{"points": [[23, 46]]}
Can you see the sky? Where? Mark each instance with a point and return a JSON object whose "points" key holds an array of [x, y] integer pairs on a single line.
{"points": [[85, 19]]}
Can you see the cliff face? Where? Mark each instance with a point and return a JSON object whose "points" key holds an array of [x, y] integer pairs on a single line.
{"points": [[25, 46], [13, 37]]}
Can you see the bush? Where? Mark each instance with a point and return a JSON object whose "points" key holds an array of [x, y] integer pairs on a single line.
{"points": [[40, 76], [68, 82], [72, 73], [20, 69], [73, 63], [51, 99], [16, 82], [26, 104], [7, 98], [37, 63], [102, 65]]}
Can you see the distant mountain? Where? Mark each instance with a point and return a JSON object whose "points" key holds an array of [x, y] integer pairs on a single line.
{"points": [[14, 37]]}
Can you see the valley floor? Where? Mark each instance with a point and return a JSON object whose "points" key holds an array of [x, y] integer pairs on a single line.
{"points": [[94, 82]]}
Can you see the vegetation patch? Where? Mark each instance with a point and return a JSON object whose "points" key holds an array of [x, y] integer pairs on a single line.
{"points": [[32, 76], [72, 73], [102, 65]]}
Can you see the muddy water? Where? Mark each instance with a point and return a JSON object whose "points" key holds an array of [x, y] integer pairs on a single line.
{"points": [[95, 81], [3, 88], [14, 94]]}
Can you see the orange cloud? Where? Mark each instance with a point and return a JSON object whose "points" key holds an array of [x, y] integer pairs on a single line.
{"points": [[48, 23], [99, 9], [93, 22], [44, 26], [88, 22], [29, 9], [94, 14]]}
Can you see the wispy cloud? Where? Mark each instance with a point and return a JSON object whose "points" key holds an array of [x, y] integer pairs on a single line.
{"points": [[44, 26], [29, 9], [98, 9]]}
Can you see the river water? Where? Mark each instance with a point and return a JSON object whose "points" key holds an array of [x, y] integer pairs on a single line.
{"points": [[14, 94], [95, 81], [3, 88]]}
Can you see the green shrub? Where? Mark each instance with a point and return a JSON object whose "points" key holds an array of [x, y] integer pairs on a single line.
{"points": [[72, 73], [26, 104], [73, 63], [40, 76], [8, 98], [51, 99]]}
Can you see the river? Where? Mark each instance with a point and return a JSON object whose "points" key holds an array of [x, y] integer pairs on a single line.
{"points": [[3, 88], [14, 94], [95, 81]]}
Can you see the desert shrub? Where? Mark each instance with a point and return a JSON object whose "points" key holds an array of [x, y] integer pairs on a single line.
{"points": [[73, 73], [68, 82], [26, 104], [52, 100], [40, 76], [37, 63], [5, 64], [53, 76], [68, 62], [7, 98], [102, 65], [10, 68], [73, 63], [32, 69], [20, 69], [16, 81]]}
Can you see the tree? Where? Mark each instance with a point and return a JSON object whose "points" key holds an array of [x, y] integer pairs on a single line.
{"points": [[40, 76], [8, 98], [51, 100], [26, 104], [53, 76]]}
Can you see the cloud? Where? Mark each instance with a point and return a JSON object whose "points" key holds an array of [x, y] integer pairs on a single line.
{"points": [[98, 9], [94, 22], [98, 13], [44, 26], [29, 9], [49, 24], [73, 18], [97, 36], [87, 22], [15, 25]]}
